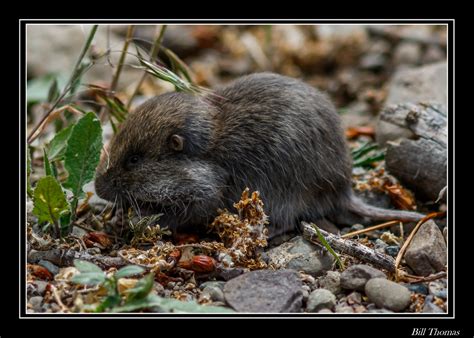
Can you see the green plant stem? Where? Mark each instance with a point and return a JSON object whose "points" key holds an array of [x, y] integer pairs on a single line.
{"points": [[67, 88], [154, 51]]}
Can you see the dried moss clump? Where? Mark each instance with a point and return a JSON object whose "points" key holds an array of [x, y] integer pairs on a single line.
{"points": [[244, 234]]}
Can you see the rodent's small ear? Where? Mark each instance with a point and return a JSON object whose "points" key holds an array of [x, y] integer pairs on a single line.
{"points": [[177, 142]]}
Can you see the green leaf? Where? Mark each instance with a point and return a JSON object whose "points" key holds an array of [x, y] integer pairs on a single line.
{"points": [[129, 270], [85, 266], [327, 246], [47, 165], [82, 154], [29, 189], [109, 302], [142, 288], [57, 146], [177, 306], [142, 303], [89, 278], [49, 200], [169, 305]]}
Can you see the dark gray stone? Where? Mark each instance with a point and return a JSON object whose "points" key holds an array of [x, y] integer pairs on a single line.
{"points": [[320, 299], [265, 291], [388, 294], [356, 276], [392, 250], [427, 252]]}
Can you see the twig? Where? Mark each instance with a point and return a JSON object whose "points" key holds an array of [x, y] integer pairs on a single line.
{"points": [[128, 38], [410, 237], [154, 51], [351, 248], [372, 228], [63, 307], [48, 119], [62, 258], [72, 79], [419, 279]]}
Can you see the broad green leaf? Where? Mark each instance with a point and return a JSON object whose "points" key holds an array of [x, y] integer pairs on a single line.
{"points": [[89, 278], [48, 171], [29, 189], [142, 288], [85, 266], [129, 270], [177, 306], [142, 303], [82, 153], [169, 305], [49, 200], [57, 146], [327, 246]]}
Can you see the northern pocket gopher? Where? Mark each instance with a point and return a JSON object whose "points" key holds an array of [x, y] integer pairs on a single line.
{"points": [[187, 155]]}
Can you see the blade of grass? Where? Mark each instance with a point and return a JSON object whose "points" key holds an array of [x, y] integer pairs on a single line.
{"points": [[154, 52], [327, 246]]}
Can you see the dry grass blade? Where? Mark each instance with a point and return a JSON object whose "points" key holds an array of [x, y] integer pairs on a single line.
{"points": [[369, 229]]}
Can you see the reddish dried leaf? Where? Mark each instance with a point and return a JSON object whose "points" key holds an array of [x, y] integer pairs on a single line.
{"points": [[40, 272], [401, 198], [98, 237], [200, 263], [353, 132]]}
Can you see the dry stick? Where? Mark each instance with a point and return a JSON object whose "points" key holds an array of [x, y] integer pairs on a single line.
{"points": [[63, 307], [48, 119], [115, 79], [372, 228], [154, 51], [65, 257], [72, 78], [351, 248], [410, 237]]}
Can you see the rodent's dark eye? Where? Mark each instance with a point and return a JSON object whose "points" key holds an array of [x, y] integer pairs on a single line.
{"points": [[132, 161], [177, 142]]}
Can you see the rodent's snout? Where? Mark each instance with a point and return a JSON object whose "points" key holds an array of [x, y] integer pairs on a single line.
{"points": [[106, 186]]}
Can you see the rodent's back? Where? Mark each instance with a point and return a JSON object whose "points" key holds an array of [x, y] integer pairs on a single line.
{"points": [[282, 137]]}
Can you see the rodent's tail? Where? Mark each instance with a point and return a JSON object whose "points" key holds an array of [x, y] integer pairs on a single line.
{"points": [[359, 207]]}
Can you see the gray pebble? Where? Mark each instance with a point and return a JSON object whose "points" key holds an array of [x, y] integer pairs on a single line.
{"points": [[215, 292], [320, 299], [36, 303], [356, 276], [429, 307], [331, 281], [388, 294], [344, 309]]}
